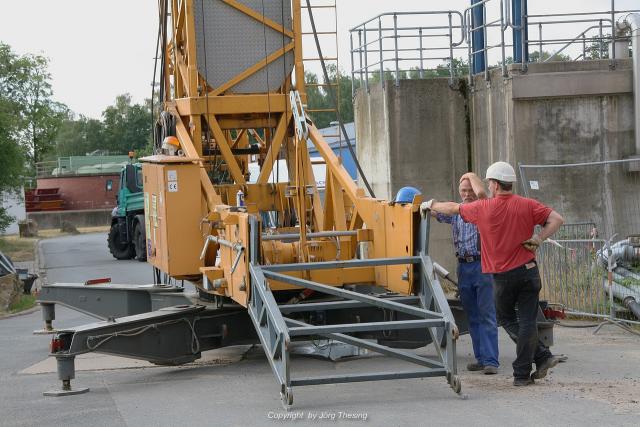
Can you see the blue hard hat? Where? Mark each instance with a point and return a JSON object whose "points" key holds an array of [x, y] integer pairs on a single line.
{"points": [[406, 195]]}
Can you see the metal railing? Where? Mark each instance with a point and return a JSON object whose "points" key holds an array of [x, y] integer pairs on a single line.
{"points": [[574, 268], [392, 46], [81, 165]]}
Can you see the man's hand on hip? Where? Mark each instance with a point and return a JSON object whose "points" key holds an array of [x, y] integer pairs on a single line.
{"points": [[532, 244]]}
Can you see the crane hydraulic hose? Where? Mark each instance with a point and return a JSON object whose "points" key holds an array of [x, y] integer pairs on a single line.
{"points": [[335, 101]]}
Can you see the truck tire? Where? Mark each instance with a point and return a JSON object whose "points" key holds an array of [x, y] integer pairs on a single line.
{"points": [[118, 248], [139, 243]]}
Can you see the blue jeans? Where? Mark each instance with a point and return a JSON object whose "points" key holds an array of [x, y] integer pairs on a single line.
{"points": [[476, 295]]}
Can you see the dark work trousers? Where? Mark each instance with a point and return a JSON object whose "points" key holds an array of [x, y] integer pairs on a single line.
{"points": [[520, 288]]}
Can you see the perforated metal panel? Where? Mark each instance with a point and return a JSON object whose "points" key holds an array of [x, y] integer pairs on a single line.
{"points": [[229, 41]]}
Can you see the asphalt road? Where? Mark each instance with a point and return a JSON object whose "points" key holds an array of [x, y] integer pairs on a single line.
{"points": [[598, 386]]}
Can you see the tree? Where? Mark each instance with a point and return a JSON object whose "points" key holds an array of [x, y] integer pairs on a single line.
{"points": [[11, 153], [536, 57], [597, 48], [80, 136], [319, 98], [11, 159], [460, 68], [26, 84], [127, 126]]}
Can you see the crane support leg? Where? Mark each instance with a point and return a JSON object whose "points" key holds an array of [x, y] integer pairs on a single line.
{"points": [[433, 316]]}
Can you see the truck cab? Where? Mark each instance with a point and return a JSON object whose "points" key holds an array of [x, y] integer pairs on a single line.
{"points": [[127, 234]]}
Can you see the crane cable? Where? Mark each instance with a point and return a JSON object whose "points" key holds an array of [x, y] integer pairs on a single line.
{"points": [[161, 41], [206, 91], [266, 69], [335, 102]]}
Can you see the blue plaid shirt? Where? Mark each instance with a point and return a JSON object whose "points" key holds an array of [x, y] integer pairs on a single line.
{"points": [[465, 235]]}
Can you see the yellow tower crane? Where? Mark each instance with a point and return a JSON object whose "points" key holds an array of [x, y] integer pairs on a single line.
{"points": [[272, 261]]}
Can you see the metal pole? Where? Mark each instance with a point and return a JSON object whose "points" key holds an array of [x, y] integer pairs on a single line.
{"points": [[540, 42], [613, 32], [502, 29], [421, 72], [366, 66], [600, 40], [471, 65], [319, 234], [523, 179], [484, 42], [451, 71], [381, 60], [524, 34], [517, 30], [584, 47], [612, 311], [360, 55], [478, 37], [395, 41], [353, 80]]}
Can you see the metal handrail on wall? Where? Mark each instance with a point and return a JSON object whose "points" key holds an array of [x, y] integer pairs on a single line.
{"points": [[378, 42], [397, 32]]}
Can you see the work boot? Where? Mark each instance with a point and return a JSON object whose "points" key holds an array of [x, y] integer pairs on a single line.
{"points": [[541, 372], [475, 367], [519, 382], [490, 370]]}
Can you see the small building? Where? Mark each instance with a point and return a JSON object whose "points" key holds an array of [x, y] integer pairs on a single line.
{"points": [[81, 190], [79, 182]]}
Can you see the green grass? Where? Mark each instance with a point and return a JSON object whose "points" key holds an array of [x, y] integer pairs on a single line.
{"points": [[25, 303], [18, 249]]}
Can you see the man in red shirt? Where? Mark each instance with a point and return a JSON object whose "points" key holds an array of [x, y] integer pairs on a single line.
{"points": [[506, 223]]}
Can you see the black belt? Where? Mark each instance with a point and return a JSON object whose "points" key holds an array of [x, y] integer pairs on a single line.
{"points": [[470, 258]]}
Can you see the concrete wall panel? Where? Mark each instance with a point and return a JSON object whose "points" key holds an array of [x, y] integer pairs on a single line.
{"points": [[415, 134]]}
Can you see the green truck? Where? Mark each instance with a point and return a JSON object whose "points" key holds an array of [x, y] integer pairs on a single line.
{"points": [[127, 234]]}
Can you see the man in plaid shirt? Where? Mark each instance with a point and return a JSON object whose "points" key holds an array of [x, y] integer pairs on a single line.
{"points": [[476, 288]]}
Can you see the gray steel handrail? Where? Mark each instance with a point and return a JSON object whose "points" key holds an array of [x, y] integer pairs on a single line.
{"points": [[579, 36], [366, 46], [372, 51], [429, 12]]}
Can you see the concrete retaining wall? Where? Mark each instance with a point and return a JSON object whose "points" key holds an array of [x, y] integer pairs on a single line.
{"points": [[563, 112], [554, 113], [415, 134], [85, 218]]}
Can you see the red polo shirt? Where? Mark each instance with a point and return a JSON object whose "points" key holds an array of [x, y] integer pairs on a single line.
{"points": [[504, 222]]}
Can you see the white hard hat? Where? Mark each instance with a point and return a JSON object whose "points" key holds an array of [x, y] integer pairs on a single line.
{"points": [[501, 171]]}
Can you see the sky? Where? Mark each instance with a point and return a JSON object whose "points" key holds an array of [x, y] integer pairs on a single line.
{"points": [[100, 49]]}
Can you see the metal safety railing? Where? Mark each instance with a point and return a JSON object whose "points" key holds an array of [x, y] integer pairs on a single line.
{"points": [[395, 38], [599, 203], [81, 165], [453, 43]]}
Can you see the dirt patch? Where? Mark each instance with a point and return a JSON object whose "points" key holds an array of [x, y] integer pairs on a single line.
{"points": [[22, 248], [623, 395]]}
